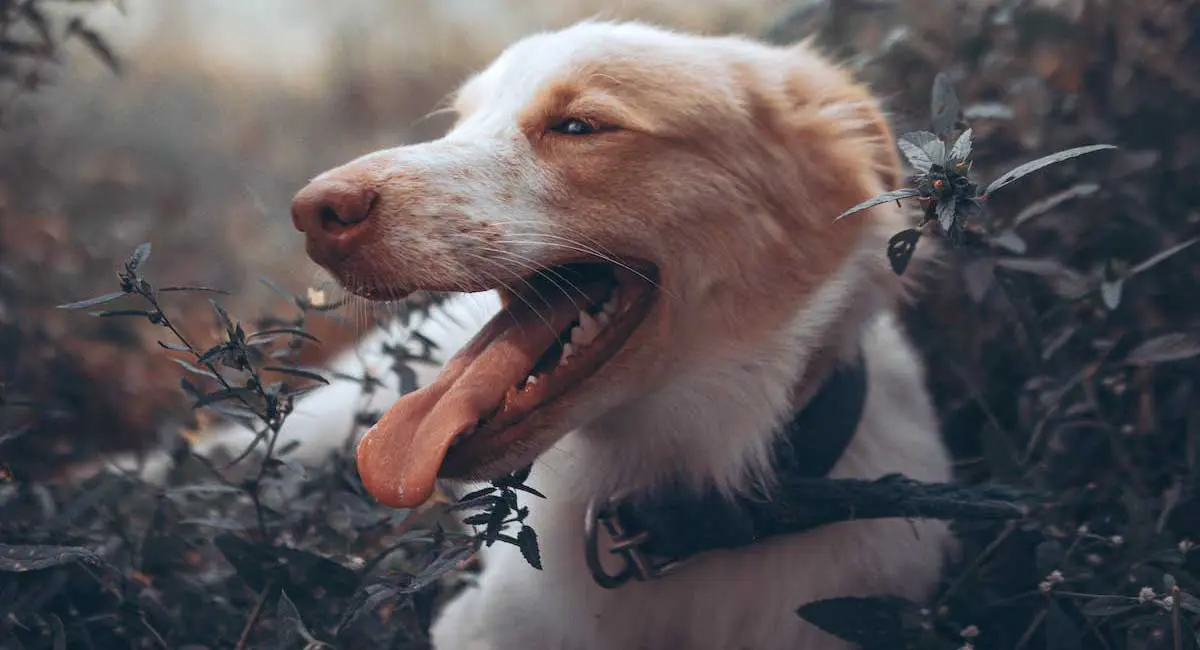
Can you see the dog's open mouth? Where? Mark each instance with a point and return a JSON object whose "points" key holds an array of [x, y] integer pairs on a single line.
{"points": [[551, 335]]}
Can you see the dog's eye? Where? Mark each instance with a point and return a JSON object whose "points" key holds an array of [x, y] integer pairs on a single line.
{"points": [[573, 126]]}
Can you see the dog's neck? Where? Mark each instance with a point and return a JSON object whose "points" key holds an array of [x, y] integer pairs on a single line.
{"points": [[715, 426]]}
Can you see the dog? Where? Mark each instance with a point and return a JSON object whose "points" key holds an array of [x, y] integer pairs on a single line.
{"points": [[642, 221]]}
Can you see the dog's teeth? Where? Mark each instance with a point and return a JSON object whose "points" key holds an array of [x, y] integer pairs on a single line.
{"points": [[602, 320], [531, 380], [568, 350], [585, 332], [610, 307]]}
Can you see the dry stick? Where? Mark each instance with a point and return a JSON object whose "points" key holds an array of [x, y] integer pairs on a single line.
{"points": [[254, 615]]}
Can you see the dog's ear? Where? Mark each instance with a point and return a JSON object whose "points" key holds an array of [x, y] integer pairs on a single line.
{"points": [[828, 102]]}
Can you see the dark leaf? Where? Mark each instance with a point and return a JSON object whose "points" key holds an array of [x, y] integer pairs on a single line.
{"points": [[291, 626], [100, 48], [947, 214], [1048, 556], [1045, 205], [174, 347], [527, 541], [894, 195], [92, 302], [205, 289], [1106, 606], [901, 247], [962, 147], [60, 633], [222, 395], [193, 369], [1110, 293], [34, 16], [22, 558], [1189, 603], [14, 434], [872, 622], [223, 317], [1168, 347], [479, 519], [1159, 257], [113, 313], [944, 108], [1061, 632], [252, 562], [1011, 241], [1040, 163], [296, 372], [919, 149], [142, 252], [293, 331]]}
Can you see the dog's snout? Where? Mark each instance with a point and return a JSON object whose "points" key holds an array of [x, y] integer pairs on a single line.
{"points": [[331, 205]]}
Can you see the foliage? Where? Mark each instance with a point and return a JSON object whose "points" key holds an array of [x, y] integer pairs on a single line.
{"points": [[121, 562], [949, 198]]}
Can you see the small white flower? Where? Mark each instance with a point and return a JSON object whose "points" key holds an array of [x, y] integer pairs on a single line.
{"points": [[1055, 577], [967, 646], [1117, 540], [969, 632], [1167, 603], [1083, 529], [1186, 545], [1045, 586], [1145, 595]]}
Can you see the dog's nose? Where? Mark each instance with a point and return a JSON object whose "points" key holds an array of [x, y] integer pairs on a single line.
{"points": [[330, 210]]}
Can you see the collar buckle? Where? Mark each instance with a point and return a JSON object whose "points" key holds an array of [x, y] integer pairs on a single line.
{"points": [[626, 542]]}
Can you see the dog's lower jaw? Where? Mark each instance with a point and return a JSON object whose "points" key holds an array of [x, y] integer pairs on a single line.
{"points": [[728, 599]]}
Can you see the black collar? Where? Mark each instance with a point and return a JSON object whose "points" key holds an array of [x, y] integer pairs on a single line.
{"points": [[658, 532]]}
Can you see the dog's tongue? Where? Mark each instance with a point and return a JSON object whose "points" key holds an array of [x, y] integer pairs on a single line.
{"points": [[399, 458]]}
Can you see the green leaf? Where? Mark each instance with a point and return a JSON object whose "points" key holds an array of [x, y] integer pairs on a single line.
{"points": [[894, 195], [92, 302], [1045, 161]]}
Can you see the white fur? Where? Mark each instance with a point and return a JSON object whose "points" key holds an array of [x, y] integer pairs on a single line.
{"points": [[713, 423]]}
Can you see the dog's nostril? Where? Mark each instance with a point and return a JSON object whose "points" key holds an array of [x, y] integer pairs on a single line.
{"points": [[330, 206], [329, 216]]}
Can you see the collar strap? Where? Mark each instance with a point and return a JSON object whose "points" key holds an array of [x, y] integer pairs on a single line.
{"points": [[657, 533]]}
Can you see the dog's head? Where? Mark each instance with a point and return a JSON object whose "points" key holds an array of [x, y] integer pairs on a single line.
{"points": [[639, 198]]}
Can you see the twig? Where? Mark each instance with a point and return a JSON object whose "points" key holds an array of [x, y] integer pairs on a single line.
{"points": [[255, 614]]}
